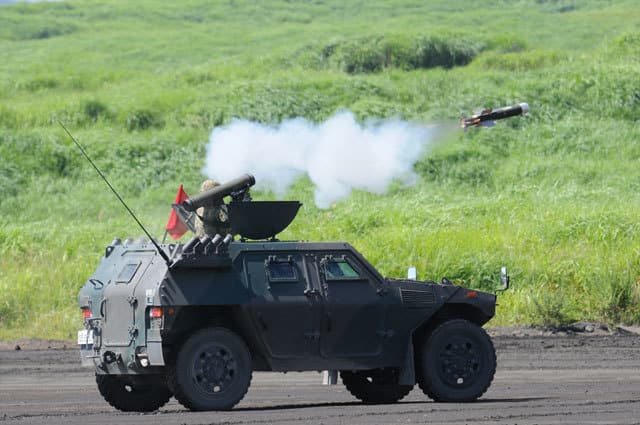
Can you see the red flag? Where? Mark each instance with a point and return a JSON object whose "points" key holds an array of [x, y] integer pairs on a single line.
{"points": [[175, 227]]}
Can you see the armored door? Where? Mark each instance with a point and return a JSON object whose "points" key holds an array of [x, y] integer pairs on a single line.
{"points": [[354, 309], [284, 308], [121, 311]]}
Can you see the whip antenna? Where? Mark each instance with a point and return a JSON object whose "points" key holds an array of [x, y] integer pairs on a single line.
{"points": [[160, 251]]}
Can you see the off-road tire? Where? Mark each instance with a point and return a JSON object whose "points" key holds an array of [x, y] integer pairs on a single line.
{"points": [[212, 370], [457, 362], [376, 386], [128, 395]]}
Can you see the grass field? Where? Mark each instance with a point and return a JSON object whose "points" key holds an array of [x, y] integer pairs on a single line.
{"points": [[555, 196]]}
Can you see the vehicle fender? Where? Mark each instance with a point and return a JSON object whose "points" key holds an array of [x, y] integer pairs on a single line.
{"points": [[408, 370], [476, 306], [455, 303], [202, 288]]}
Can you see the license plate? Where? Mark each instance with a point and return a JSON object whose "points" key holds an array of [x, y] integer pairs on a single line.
{"points": [[85, 337]]}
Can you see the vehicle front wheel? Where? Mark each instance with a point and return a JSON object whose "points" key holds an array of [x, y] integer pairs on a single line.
{"points": [[142, 394], [375, 386], [457, 362], [212, 370]]}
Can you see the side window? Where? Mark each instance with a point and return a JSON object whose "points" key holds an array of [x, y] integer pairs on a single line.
{"points": [[281, 269], [339, 269]]}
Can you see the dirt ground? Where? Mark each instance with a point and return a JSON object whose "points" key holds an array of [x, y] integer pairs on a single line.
{"points": [[585, 375]]}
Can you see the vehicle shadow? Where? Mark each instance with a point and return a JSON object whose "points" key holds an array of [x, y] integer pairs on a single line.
{"points": [[359, 403], [510, 400], [301, 406]]}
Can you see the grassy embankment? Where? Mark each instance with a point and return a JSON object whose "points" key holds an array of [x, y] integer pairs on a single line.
{"points": [[554, 196]]}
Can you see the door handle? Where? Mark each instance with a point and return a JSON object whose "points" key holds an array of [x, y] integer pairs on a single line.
{"points": [[103, 311]]}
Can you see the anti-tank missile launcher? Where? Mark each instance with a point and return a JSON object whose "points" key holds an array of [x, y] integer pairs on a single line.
{"points": [[249, 219], [237, 188]]}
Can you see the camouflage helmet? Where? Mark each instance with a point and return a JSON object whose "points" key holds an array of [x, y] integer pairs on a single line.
{"points": [[208, 185]]}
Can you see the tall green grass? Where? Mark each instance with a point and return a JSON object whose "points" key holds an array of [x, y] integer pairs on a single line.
{"points": [[554, 196], [379, 52]]}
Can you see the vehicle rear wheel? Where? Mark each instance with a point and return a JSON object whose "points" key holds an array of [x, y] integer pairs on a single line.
{"points": [[376, 386], [144, 394], [212, 370], [457, 362]]}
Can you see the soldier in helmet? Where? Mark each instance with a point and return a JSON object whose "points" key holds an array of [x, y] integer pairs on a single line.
{"points": [[212, 219]]}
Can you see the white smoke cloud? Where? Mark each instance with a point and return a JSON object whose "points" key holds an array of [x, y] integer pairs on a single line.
{"points": [[338, 155]]}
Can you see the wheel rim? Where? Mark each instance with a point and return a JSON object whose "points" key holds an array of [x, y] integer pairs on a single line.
{"points": [[460, 362], [213, 369]]}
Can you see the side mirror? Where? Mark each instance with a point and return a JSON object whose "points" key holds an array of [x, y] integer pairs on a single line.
{"points": [[504, 279]]}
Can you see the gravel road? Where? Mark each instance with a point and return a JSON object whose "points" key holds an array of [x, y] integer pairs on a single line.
{"points": [[550, 379]]}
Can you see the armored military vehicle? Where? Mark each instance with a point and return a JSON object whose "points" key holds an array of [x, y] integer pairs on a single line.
{"points": [[195, 320]]}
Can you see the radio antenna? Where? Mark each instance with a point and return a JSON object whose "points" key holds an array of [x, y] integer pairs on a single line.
{"points": [[160, 251]]}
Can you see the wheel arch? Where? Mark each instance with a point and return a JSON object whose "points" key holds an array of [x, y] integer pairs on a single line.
{"points": [[190, 319], [448, 311]]}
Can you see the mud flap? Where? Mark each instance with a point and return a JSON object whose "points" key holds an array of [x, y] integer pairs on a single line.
{"points": [[408, 370]]}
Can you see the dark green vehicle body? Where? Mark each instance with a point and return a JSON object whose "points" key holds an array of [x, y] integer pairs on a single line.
{"points": [[276, 295], [296, 306]]}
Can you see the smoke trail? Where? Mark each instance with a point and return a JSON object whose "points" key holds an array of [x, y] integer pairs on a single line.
{"points": [[338, 155]]}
